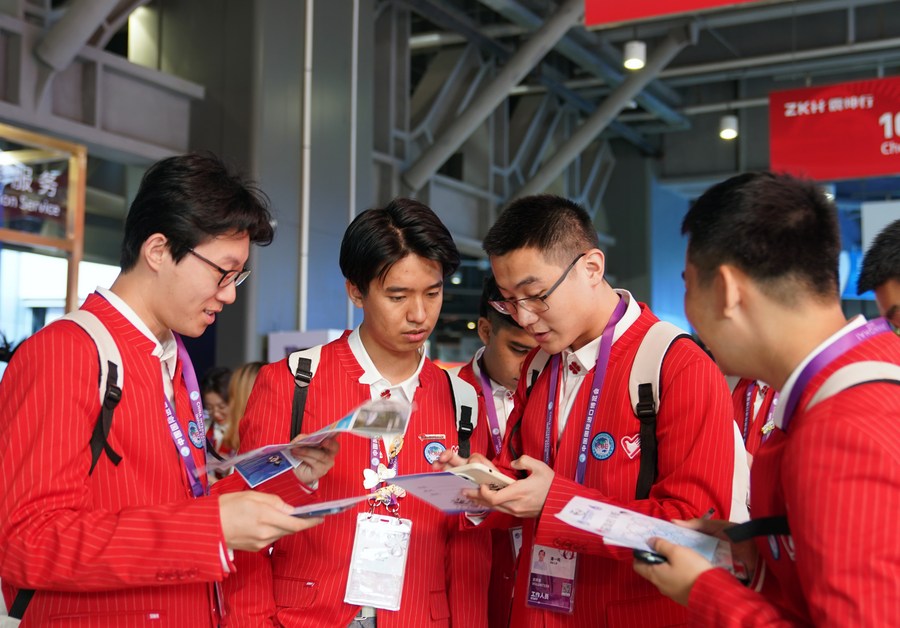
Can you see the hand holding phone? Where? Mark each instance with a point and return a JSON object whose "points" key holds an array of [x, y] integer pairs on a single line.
{"points": [[650, 558], [482, 474]]}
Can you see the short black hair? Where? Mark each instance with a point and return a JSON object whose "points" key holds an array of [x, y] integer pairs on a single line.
{"points": [[192, 198], [379, 238], [490, 292], [781, 231], [216, 380], [555, 226], [881, 262]]}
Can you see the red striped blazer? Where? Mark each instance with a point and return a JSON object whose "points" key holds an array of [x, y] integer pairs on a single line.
{"points": [[503, 564], [695, 461], [836, 474], [302, 582], [127, 544]]}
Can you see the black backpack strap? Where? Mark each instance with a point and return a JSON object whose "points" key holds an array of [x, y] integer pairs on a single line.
{"points": [[764, 526], [211, 450], [644, 383], [20, 604], [646, 413], [302, 377], [100, 436], [111, 381], [464, 423]]}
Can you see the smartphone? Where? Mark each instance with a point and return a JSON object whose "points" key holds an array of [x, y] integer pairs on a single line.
{"points": [[482, 474], [327, 508], [651, 558]]}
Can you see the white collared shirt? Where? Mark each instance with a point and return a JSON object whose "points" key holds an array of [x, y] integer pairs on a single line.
{"points": [[503, 398], [785, 392], [377, 383], [166, 351], [586, 358]]}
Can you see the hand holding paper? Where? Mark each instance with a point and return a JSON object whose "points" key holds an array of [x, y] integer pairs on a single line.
{"points": [[626, 528], [373, 419], [524, 498]]}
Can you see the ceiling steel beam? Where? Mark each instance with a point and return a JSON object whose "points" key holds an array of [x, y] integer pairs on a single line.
{"points": [[488, 98], [608, 110], [585, 57], [547, 76]]}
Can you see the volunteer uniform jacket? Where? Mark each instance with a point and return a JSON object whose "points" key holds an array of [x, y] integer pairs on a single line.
{"points": [[835, 472], [750, 420], [503, 562], [303, 581], [695, 463], [128, 545]]}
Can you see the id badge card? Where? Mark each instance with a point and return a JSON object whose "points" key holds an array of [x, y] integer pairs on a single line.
{"points": [[551, 579], [378, 562]]}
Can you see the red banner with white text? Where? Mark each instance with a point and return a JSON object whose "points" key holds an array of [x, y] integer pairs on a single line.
{"points": [[609, 12], [843, 131]]}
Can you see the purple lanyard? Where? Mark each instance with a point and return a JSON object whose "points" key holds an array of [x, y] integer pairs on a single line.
{"points": [[833, 351], [748, 409], [596, 388], [181, 443], [493, 422]]}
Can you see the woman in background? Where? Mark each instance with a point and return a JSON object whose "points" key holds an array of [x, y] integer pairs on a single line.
{"points": [[238, 393]]}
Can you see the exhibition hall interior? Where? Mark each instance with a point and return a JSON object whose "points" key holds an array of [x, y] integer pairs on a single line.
{"points": [[630, 109]]}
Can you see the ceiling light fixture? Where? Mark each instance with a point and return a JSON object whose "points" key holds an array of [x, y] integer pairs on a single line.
{"points": [[728, 127], [635, 54]]}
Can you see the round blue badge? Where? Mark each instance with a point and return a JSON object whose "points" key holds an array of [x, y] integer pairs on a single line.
{"points": [[195, 435], [433, 450], [603, 446], [195, 395]]}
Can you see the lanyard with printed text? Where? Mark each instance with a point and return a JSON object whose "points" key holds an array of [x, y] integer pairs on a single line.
{"points": [[825, 357], [181, 443], [491, 409], [596, 388]]}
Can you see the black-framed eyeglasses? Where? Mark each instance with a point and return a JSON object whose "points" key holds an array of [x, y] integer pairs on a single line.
{"points": [[537, 304], [228, 277]]}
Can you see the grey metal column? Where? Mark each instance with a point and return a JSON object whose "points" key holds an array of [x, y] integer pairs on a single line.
{"points": [[488, 99], [606, 112]]}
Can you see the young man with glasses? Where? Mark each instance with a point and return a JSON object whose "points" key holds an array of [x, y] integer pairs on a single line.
{"points": [[573, 431], [761, 287], [395, 260], [132, 537], [881, 273]]}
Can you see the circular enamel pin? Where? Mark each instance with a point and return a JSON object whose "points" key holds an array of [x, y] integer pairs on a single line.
{"points": [[603, 445], [195, 435], [433, 451]]}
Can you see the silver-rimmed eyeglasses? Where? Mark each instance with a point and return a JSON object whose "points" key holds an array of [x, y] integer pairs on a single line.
{"points": [[536, 304]]}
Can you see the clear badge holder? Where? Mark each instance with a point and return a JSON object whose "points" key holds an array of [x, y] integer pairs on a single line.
{"points": [[378, 562]]}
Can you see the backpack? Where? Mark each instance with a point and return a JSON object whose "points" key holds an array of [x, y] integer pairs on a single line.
{"points": [[849, 376], [112, 375], [643, 391], [302, 366]]}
